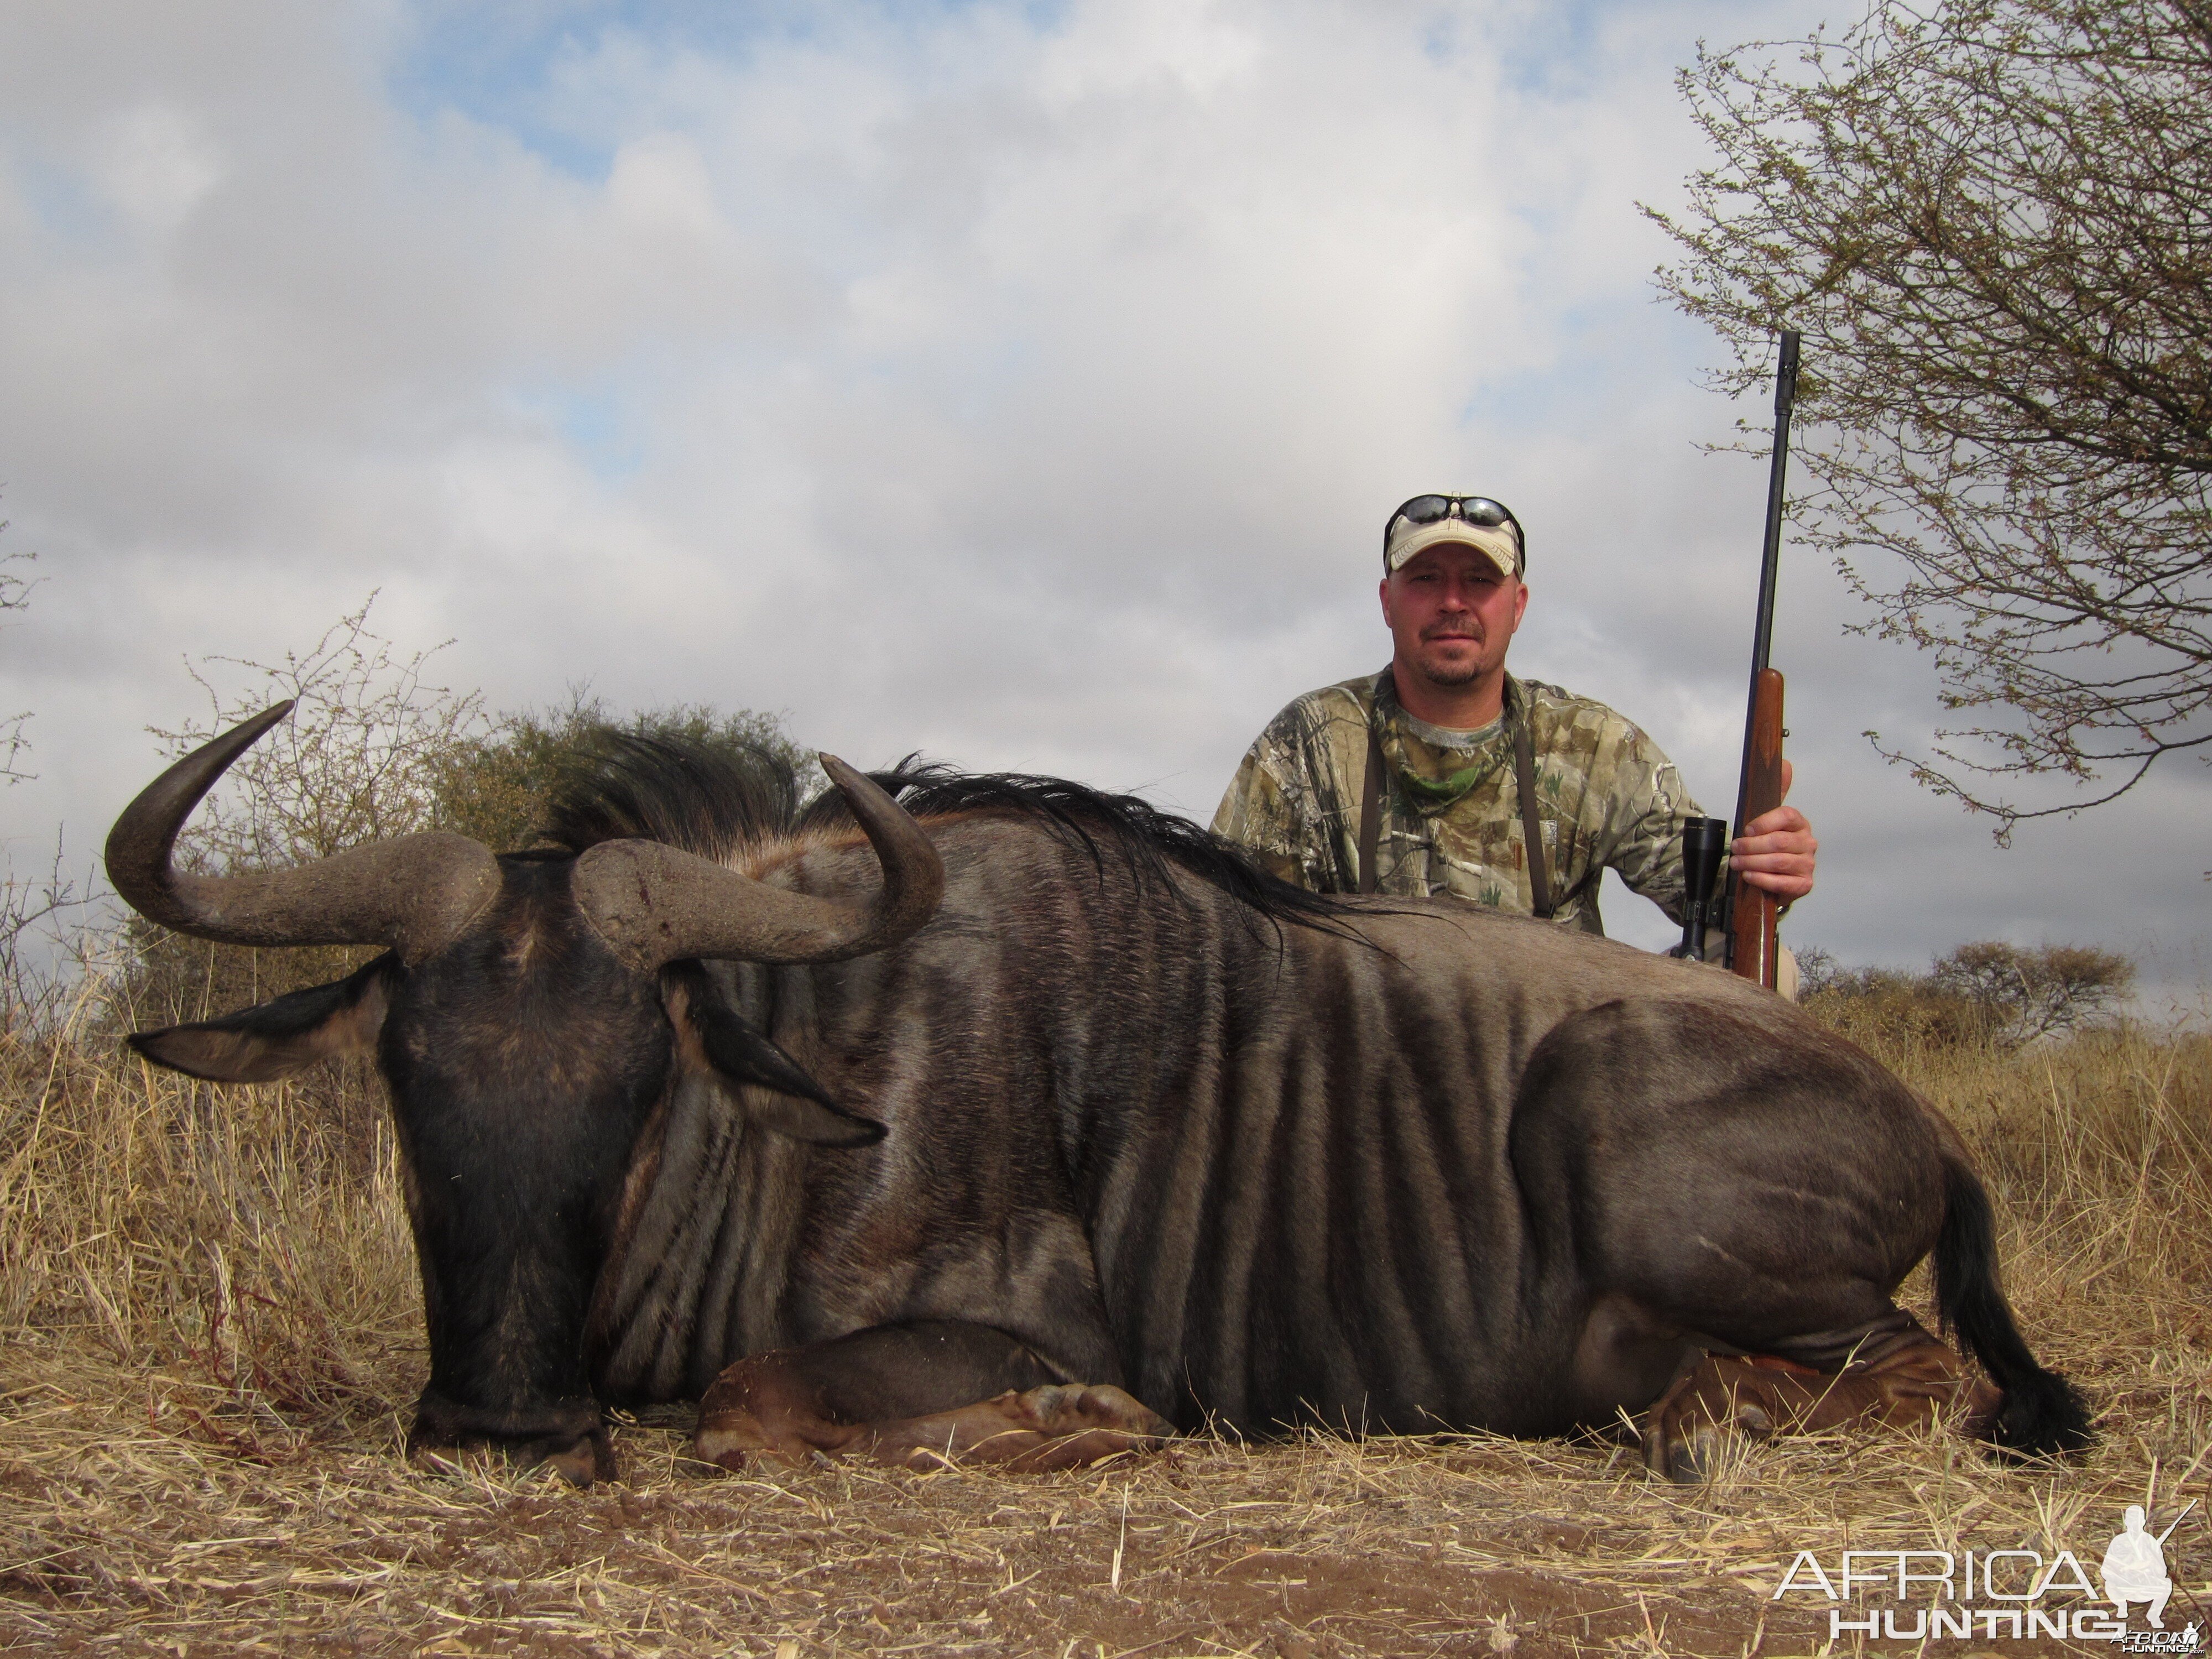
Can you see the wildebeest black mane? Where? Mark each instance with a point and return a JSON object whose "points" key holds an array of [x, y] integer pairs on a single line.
{"points": [[715, 799], [1132, 829], [721, 800]]}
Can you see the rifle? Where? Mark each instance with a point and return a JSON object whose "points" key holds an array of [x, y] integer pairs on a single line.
{"points": [[1752, 911], [1745, 913]]}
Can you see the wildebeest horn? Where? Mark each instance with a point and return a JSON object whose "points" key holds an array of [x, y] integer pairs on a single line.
{"points": [[656, 904], [412, 892]]}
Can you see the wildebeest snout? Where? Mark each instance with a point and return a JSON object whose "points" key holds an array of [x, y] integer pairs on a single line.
{"points": [[567, 1436]]}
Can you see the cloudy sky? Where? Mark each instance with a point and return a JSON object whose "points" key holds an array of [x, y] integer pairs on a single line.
{"points": [[1024, 384]]}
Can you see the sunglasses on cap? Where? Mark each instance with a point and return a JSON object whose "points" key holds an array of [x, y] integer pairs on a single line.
{"points": [[1478, 510]]}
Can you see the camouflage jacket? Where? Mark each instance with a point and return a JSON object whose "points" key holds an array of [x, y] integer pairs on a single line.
{"points": [[1451, 811]]}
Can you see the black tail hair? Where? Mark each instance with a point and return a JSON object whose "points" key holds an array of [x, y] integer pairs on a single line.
{"points": [[2042, 1413]]}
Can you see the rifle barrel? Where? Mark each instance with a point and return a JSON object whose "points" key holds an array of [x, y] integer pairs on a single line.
{"points": [[2177, 1520], [1762, 641]]}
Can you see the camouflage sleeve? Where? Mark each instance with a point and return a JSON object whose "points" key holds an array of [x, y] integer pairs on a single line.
{"points": [[1291, 802], [1649, 806], [1256, 814]]}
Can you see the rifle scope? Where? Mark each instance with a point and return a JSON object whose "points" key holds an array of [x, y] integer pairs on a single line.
{"points": [[1704, 840]]}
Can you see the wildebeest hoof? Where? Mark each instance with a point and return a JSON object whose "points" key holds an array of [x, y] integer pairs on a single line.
{"points": [[1690, 1460], [1059, 1425], [730, 1436], [1682, 1434], [1073, 1408]]}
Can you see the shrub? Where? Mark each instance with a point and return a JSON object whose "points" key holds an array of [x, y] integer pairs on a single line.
{"points": [[2032, 993], [1987, 994], [493, 787]]}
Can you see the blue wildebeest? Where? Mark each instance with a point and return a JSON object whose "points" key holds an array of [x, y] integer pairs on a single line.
{"points": [[1023, 1122]]}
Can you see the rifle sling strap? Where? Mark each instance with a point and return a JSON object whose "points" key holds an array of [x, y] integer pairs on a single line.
{"points": [[1371, 808], [1524, 779], [1532, 828]]}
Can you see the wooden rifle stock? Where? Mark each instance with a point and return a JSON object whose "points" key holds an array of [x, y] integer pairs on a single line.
{"points": [[1753, 911]]}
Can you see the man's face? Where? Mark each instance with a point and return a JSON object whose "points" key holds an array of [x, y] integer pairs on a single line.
{"points": [[1451, 613]]}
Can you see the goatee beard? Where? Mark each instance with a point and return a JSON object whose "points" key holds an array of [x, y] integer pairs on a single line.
{"points": [[1454, 678]]}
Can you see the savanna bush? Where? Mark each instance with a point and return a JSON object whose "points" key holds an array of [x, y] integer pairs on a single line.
{"points": [[1987, 994]]}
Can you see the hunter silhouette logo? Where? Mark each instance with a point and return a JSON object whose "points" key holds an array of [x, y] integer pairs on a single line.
{"points": [[2135, 1567], [2002, 1594]]}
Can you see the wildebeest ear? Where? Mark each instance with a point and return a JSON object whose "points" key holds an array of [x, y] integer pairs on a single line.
{"points": [[280, 1038], [800, 1107]]}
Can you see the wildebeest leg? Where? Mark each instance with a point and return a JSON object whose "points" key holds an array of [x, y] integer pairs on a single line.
{"points": [[1897, 1375], [1706, 1189], [917, 1393]]}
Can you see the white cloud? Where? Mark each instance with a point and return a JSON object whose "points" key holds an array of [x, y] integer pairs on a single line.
{"points": [[158, 165], [1028, 392]]}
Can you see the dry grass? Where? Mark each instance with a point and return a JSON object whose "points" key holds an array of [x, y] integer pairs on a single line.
{"points": [[207, 1304]]}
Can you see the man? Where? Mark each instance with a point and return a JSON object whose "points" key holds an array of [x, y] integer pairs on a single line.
{"points": [[1438, 734]]}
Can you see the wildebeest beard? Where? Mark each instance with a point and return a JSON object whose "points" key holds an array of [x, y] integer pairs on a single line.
{"points": [[1120, 1113]]}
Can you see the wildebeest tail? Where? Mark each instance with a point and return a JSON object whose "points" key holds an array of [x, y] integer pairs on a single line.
{"points": [[2041, 1413]]}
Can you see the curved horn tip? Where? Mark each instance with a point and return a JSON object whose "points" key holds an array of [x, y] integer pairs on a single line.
{"points": [[912, 871], [268, 717], [230, 745], [412, 893], [655, 903], [848, 778], [139, 843]]}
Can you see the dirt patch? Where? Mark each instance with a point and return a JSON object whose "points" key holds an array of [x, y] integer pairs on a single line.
{"points": [[128, 1540]]}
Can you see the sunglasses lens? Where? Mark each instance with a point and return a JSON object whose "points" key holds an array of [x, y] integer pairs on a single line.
{"points": [[1480, 509], [1425, 509]]}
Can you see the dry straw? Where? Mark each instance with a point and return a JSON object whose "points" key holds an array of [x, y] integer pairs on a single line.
{"points": [[209, 1330]]}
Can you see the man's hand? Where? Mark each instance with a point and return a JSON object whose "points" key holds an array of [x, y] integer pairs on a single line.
{"points": [[1776, 850]]}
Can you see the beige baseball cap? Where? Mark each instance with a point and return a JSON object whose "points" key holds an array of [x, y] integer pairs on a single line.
{"points": [[1475, 521]]}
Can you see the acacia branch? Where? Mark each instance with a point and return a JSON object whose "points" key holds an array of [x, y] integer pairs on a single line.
{"points": [[1992, 222]]}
